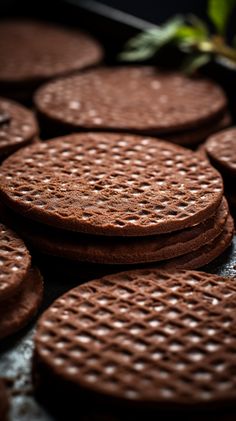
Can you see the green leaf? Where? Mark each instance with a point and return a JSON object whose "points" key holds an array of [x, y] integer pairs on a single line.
{"points": [[219, 12], [187, 31], [199, 24], [194, 62], [141, 54], [188, 35], [146, 44]]}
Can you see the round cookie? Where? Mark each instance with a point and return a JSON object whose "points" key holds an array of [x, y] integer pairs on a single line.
{"points": [[15, 261], [221, 149], [4, 401], [18, 126], [140, 100], [32, 52], [116, 250], [111, 184], [17, 311], [146, 338]]}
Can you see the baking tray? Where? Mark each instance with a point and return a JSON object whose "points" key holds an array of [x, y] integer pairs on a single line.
{"points": [[16, 352]]}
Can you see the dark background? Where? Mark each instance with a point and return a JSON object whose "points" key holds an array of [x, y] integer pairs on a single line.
{"points": [[73, 11], [158, 10], [98, 17], [152, 10]]}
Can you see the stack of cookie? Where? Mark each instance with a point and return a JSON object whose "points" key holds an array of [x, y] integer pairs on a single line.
{"points": [[32, 52], [18, 127], [221, 150], [20, 284], [137, 100], [116, 199]]}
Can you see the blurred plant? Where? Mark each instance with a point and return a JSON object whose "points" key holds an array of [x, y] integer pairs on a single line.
{"points": [[191, 35]]}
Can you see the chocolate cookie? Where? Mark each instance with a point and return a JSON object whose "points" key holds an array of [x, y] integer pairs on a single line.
{"points": [[14, 262], [111, 184], [140, 100], [18, 126], [32, 52], [17, 311], [4, 401], [116, 250], [221, 149], [147, 338]]}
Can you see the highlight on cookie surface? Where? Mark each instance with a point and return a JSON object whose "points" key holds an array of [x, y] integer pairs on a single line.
{"points": [[148, 337]]}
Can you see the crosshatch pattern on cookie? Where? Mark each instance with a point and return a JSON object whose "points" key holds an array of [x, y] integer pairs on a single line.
{"points": [[111, 184], [14, 261], [145, 335], [38, 49], [221, 148], [131, 98], [20, 128]]}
